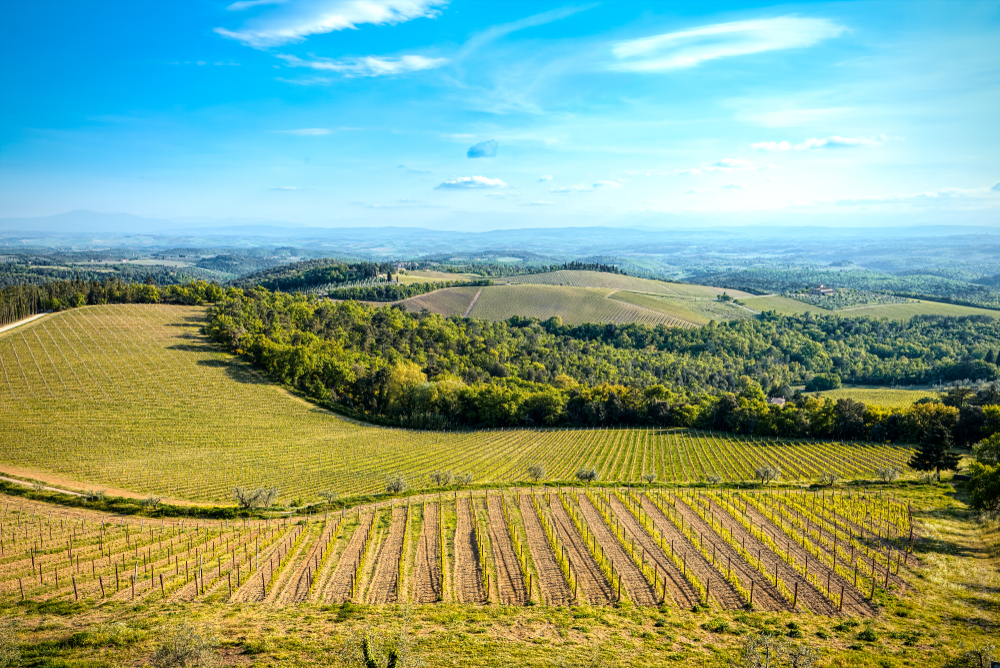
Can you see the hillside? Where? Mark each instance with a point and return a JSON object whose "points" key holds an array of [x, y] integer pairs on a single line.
{"points": [[788, 306], [136, 398]]}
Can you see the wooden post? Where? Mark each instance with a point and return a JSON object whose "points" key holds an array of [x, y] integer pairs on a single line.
{"points": [[163, 589], [795, 596], [708, 589], [100, 578], [752, 583], [21, 585], [76, 594], [840, 606]]}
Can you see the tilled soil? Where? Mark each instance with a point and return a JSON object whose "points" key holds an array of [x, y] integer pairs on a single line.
{"points": [[596, 588], [766, 595], [679, 590], [551, 582], [469, 587], [632, 579], [510, 582], [302, 568], [854, 601], [722, 592], [383, 585], [338, 588], [427, 566]]}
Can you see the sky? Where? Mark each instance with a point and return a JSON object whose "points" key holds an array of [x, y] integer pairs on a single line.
{"points": [[501, 114]]}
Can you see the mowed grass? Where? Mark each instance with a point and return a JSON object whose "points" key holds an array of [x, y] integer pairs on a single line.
{"points": [[598, 279], [424, 276], [879, 396], [446, 302], [787, 306], [134, 397]]}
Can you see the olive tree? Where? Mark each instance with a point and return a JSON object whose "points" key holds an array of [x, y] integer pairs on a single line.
{"points": [[536, 472], [766, 474]]}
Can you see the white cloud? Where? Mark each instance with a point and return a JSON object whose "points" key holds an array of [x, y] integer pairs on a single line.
{"points": [[688, 172], [285, 188], [294, 22], [688, 48], [471, 182], [367, 66], [607, 184], [540, 202], [698, 191], [247, 4], [996, 188], [306, 132], [734, 186], [821, 142], [725, 165], [548, 177]]}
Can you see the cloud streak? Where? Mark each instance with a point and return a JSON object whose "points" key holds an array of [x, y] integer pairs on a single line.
{"points": [[471, 183], [585, 187], [688, 48], [367, 66], [306, 132], [291, 23], [821, 142]]}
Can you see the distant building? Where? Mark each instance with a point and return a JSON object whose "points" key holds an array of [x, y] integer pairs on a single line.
{"points": [[777, 401], [822, 290]]}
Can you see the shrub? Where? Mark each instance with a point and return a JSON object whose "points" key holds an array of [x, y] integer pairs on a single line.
{"points": [[395, 484], [766, 474], [262, 497], [828, 478], [713, 479], [868, 634], [184, 646], [649, 478], [536, 471], [442, 478]]}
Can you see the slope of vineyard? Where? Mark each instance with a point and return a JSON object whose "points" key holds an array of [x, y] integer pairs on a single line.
{"points": [[788, 306], [574, 305], [881, 396], [134, 397], [597, 279], [698, 311], [446, 302]]}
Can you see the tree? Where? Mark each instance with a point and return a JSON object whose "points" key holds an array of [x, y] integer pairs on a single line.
{"points": [[186, 646], [395, 484], [888, 474], [262, 497], [828, 478], [766, 474], [934, 453], [329, 496], [536, 471], [586, 475], [970, 426]]}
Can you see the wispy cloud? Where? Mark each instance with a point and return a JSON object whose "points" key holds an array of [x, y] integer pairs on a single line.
{"points": [[725, 165], [306, 132], [996, 187], [367, 66], [585, 187], [248, 4], [294, 22], [504, 29], [545, 177], [484, 149], [286, 188], [821, 142], [540, 202], [470, 183], [687, 48], [734, 186]]}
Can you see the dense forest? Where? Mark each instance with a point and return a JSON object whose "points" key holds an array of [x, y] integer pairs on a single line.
{"points": [[310, 274], [423, 370], [391, 292]]}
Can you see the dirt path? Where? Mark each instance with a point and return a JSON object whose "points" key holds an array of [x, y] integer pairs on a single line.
{"points": [[300, 570], [253, 588], [596, 588], [510, 582], [632, 579], [766, 595], [679, 590], [469, 586], [551, 581], [25, 321], [726, 597], [817, 602], [338, 588], [384, 582], [471, 304], [427, 566]]}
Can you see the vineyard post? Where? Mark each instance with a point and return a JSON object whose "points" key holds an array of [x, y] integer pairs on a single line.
{"points": [[840, 606], [163, 589], [752, 583], [795, 596], [76, 594], [100, 579], [708, 589], [21, 585]]}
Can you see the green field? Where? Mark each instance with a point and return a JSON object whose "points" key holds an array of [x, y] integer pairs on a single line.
{"points": [[133, 397], [879, 396], [597, 279], [425, 276], [787, 306], [697, 311]]}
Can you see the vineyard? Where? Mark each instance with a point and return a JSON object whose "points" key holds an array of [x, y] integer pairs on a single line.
{"points": [[135, 398], [788, 306], [595, 279], [820, 552]]}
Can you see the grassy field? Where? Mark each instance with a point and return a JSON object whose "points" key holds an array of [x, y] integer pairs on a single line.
{"points": [[446, 302], [942, 601], [879, 396], [787, 306], [423, 276], [134, 397]]}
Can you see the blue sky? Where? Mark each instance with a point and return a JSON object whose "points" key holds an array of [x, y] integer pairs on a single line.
{"points": [[484, 115]]}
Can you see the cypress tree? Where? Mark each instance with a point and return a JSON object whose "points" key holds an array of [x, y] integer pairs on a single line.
{"points": [[990, 357], [934, 452]]}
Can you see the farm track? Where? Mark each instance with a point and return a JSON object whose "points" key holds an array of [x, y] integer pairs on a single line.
{"points": [[426, 581], [338, 587], [722, 592], [816, 601], [468, 572], [384, 581], [551, 582], [632, 579], [293, 585], [258, 587], [679, 590], [510, 582], [329, 565], [766, 595], [596, 588]]}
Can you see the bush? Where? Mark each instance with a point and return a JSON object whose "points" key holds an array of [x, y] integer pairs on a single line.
{"points": [[868, 634], [822, 382], [395, 484], [184, 646], [888, 474], [536, 471], [828, 478], [766, 474]]}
